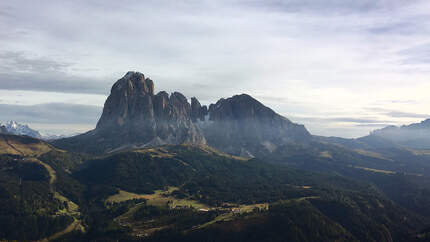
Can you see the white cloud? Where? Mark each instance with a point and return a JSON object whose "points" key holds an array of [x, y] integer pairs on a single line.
{"points": [[321, 59], [20, 97]]}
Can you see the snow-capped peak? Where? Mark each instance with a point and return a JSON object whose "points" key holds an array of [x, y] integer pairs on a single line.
{"points": [[16, 128]]}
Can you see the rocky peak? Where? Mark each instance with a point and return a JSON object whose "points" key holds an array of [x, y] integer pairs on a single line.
{"points": [[241, 125], [161, 104], [12, 127], [181, 105], [134, 117], [198, 112], [133, 83], [240, 107]]}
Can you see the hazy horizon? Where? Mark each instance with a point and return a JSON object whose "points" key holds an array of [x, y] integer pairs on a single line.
{"points": [[341, 68]]}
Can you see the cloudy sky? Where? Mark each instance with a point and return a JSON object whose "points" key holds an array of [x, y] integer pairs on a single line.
{"points": [[341, 67]]}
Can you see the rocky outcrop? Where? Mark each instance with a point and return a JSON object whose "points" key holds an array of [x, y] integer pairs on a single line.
{"points": [[241, 125], [134, 117]]}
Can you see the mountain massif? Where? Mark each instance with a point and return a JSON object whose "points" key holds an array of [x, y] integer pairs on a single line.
{"points": [[134, 117]]}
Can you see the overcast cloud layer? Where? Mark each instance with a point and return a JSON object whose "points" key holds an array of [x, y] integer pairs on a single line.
{"points": [[341, 67]]}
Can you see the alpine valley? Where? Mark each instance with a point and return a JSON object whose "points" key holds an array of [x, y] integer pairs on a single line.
{"points": [[158, 167]]}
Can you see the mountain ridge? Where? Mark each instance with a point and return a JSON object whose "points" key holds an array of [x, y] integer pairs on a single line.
{"points": [[415, 135], [13, 127], [135, 117]]}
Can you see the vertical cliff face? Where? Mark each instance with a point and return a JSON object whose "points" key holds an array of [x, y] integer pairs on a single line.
{"points": [[128, 111], [135, 114], [198, 112], [134, 117]]}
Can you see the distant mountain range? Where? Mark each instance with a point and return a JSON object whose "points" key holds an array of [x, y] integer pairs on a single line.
{"points": [[415, 135], [13, 127]]}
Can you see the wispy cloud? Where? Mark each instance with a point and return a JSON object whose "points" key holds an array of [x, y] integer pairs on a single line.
{"points": [[418, 54], [373, 126], [304, 57], [51, 113], [398, 114], [18, 71], [342, 120]]}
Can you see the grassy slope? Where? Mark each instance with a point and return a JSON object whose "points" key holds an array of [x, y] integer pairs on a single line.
{"points": [[22, 145], [28, 151]]}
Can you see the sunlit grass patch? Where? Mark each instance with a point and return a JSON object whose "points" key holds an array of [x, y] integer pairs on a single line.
{"points": [[375, 170]]}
